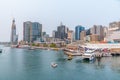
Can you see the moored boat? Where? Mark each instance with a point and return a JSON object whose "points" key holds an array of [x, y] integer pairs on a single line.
{"points": [[90, 55], [70, 57]]}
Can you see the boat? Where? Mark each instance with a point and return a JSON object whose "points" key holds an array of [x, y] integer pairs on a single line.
{"points": [[0, 50], [89, 55], [107, 55], [54, 65], [69, 57], [56, 49]]}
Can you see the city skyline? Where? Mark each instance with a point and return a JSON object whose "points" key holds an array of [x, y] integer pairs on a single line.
{"points": [[51, 13]]}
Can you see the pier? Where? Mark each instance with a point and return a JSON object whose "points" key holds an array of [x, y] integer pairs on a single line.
{"points": [[115, 51], [73, 54]]}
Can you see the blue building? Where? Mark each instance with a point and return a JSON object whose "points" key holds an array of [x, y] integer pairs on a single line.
{"points": [[78, 30]]}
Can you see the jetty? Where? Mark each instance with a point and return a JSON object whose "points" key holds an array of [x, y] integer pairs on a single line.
{"points": [[73, 54], [115, 51]]}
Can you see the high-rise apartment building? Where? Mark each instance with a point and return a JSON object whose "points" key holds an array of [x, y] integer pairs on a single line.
{"points": [[99, 30], [27, 27], [70, 35], [114, 26], [32, 31], [78, 30], [83, 35], [14, 37], [113, 33], [94, 37]]}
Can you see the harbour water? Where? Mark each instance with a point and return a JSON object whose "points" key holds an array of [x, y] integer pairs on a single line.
{"points": [[23, 64]]}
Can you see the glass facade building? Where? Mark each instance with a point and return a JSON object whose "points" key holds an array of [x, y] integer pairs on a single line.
{"points": [[61, 32], [32, 31], [14, 36], [78, 30], [36, 31]]}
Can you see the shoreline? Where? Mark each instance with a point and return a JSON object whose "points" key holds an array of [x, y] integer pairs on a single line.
{"points": [[112, 51]]}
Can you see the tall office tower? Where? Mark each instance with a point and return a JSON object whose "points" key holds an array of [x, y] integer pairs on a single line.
{"points": [[99, 30], [14, 37], [78, 30], [32, 31], [88, 32], [62, 32], [36, 31]]}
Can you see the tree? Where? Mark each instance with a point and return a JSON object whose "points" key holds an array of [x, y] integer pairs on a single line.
{"points": [[45, 45], [53, 45], [33, 44]]}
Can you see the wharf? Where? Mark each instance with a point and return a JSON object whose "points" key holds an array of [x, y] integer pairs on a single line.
{"points": [[115, 51], [72, 54]]}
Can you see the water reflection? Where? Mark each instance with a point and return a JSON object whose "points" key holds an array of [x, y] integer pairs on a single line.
{"points": [[79, 60], [115, 64], [98, 60], [98, 64]]}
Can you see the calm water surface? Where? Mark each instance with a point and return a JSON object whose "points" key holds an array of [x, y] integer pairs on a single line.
{"points": [[22, 64]]}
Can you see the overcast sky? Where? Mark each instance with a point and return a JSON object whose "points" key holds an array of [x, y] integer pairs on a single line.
{"points": [[51, 12]]}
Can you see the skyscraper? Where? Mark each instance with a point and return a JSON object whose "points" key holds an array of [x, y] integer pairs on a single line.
{"points": [[32, 31], [78, 30], [99, 30], [14, 37], [36, 31], [61, 32]]}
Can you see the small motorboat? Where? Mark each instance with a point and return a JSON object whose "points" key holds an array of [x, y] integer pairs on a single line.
{"points": [[69, 57], [54, 65]]}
